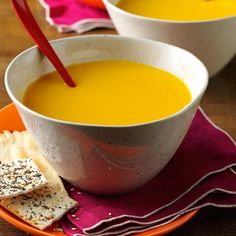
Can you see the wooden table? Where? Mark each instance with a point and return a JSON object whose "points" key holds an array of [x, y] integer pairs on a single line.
{"points": [[219, 103]]}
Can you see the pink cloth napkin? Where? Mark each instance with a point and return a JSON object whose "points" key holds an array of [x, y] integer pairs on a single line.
{"points": [[71, 15], [200, 174]]}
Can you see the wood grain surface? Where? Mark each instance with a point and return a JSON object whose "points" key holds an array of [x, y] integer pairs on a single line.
{"points": [[219, 103]]}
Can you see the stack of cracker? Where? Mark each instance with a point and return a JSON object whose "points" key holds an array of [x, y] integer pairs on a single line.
{"points": [[29, 187]]}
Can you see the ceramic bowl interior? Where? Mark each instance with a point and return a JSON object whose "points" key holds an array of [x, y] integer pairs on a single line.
{"points": [[93, 48]]}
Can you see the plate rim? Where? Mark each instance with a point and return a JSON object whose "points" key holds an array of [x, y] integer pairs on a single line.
{"points": [[94, 3], [10, 109]]}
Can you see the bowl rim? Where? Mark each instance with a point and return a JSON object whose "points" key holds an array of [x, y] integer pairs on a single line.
{"points": [[205, 79], [155, 20]]}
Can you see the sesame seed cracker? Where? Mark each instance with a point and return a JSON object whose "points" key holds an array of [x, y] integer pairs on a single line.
{"points": [[19, 177]]}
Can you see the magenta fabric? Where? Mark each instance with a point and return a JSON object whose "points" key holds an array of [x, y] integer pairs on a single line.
{"points": [[224, 182], [219, 199], [200, 166], [72, 15]]}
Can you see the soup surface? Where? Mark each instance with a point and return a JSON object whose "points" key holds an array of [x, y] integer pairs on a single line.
{"points": [[180, 9], [109, 93]]}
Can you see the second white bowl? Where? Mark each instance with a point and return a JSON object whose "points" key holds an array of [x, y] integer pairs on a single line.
{"points": [[212, 41]]}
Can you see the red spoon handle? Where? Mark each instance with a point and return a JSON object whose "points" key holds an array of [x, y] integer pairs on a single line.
{"points": [[23, 11]]}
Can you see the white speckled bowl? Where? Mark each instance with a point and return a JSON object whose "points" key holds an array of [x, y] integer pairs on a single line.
{"points": [[107, 159], [212, 41]]}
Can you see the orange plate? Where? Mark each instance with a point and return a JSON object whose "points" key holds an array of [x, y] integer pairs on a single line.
{"points": [[10, 120], [94, 3]]}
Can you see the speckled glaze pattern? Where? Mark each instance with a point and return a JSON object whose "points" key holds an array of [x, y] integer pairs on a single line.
{"points": [[212, 41], [107, 159]]}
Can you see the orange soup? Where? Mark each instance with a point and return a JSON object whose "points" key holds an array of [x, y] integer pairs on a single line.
{"points": [[180, 9], [109, 93]]}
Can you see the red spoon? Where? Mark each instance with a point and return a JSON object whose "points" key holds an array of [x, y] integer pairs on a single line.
{"points": [[23, 11]]}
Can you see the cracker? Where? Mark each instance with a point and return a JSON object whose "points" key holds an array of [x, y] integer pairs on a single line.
{"points": [[42, 207], [19, 177], [20, 145]]}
